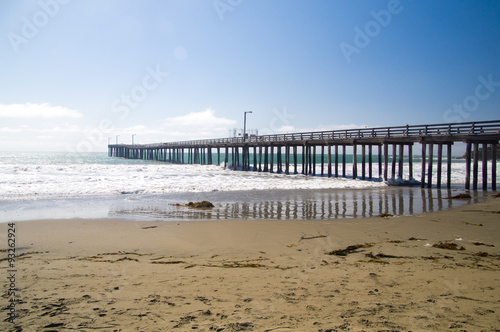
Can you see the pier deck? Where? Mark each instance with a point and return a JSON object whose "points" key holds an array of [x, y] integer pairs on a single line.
{"points": [[481, 139]]}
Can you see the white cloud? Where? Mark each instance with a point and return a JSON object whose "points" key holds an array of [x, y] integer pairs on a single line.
{"points": [[37, 111], [199, 120], [286, 129], [195, 125], [10, 130], [58, 129], [53, 130]]}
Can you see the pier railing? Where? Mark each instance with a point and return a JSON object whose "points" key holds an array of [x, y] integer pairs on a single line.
{"points": [[436, 130]]}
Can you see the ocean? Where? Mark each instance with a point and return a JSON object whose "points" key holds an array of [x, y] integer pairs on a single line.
{"points": [[93, 185]]}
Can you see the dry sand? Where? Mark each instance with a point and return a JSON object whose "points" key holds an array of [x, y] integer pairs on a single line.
{"points": [[113, 275]]}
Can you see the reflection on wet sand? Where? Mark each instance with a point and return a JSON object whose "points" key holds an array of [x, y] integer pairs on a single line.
{"points": [[322, 205]]}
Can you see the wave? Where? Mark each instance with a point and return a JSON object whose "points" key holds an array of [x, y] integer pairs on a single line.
{"points": [[60, 176]]}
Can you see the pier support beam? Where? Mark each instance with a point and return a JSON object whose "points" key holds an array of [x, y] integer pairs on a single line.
{"points": [[424, 152], [410, 160], [336, 161], [448, 161], [439, 165], [485, 166], [354, 162], [314, 160], [429, 169], [287, 159], [494, 166], [295, 170], [266, 159], [393, 164], [343, 160], [279, 162], [329, 161], [386, 160], [260, 159], [226, 156], [271, 159], [322, 160], [401, 160], [380, 161], [475, 166], [370, 162], [468, 155], [363, 161]]}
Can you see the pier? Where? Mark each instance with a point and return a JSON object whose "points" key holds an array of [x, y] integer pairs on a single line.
{"points": [[324, 152]]}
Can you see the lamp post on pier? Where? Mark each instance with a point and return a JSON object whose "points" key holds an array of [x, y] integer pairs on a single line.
{"points": [[133, 139], [245, 125], [117, 138]]}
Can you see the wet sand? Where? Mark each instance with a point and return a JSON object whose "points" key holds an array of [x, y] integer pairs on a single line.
{"points": [[304, 204], [256, 275]]}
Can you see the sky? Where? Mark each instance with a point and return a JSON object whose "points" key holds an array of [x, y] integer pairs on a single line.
{"points": [[75, 75]]}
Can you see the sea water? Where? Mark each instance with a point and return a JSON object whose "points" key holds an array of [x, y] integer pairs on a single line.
{"points": [[93, 185]]}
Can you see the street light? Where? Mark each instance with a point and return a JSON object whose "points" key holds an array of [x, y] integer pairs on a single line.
{"points": [[245, 125], [109, 140], [117, 138], [133, 139]]}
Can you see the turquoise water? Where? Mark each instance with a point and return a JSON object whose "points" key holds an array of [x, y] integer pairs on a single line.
{"points": [[63, 158], [348, 158]]}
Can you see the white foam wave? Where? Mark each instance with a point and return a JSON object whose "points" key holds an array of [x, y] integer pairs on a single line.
{"points": [[49, 181], [31, 181]]}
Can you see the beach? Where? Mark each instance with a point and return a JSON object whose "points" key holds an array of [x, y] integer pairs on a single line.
{"points": [[372, 274], [266, 166]]}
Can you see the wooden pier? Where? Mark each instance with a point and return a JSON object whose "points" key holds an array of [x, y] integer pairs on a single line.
{"points": [[281, 153]]}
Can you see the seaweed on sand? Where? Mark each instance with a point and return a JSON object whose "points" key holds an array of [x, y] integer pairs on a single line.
{"points": [[378, 258], [200, 205], [251, 263], [416, 239], [381, 255], [482, 244], [472, 224], [196, 205], [311, 237], [168, 262], [448, 245], [349, 249]]}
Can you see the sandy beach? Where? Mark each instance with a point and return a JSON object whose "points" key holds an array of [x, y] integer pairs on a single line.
{"points": [[376, 274]]}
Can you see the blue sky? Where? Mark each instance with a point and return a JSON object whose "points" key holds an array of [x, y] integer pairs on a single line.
{"points": [[74, 73]]}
